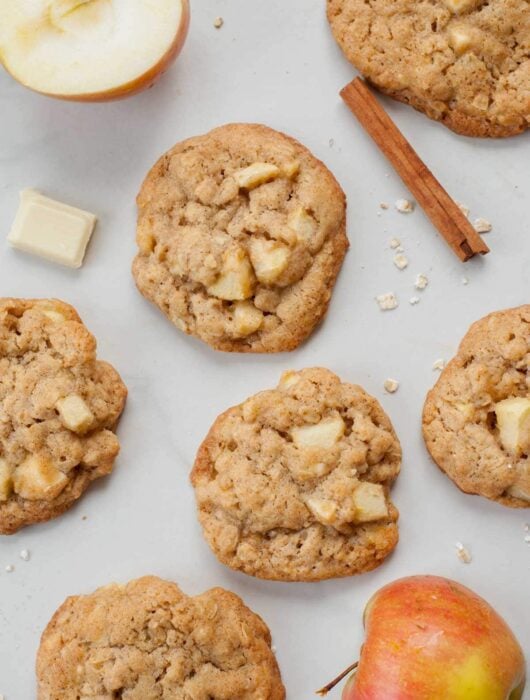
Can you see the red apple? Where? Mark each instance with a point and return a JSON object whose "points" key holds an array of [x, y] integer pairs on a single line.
{"points": [[429, 638], [90, 50]]}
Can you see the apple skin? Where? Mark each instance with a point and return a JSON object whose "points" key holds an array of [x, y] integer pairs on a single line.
{"points": [[429, 638], [142, 82]]}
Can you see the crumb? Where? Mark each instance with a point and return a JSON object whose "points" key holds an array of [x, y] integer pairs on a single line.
{"points": [[463, 553], [421, 281], [404, 206], [465, 280], [400, 261], [387, 301], [25, 555], [10, 568], [463, 208], [438, 364], [526, 527], [414, 300], [482, 225], [331, 142], [84, 517], [273, 649], [395, 243], [527, 539], [218, 22], [391, 385], [383, 205]]}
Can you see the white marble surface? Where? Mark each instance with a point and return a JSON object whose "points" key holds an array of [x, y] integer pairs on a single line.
{"points": [[272, 62]]}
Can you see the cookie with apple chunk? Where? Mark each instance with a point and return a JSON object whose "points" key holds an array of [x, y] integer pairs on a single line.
{"points": [[241, 236], [293, 484], [59, 406], [147, 640], [476, 419]]}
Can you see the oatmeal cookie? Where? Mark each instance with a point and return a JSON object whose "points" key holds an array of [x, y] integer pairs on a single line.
{"points": [[465, 63], [147, 640], [241, 235], [58, 409], [476, 419], [294, 483]]}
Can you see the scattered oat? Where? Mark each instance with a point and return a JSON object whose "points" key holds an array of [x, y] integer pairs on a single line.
{"points": [[526, 527], [387, 301], [463, 208], [465, 280], [439, 364], [383, 205], [395, 243], [273, 649], [527, 539], [463, 553], [391, 385], [482, 225], [401, 261], [404, 206], [25, 555], [414, 300], [218, 22], [10, 568]]}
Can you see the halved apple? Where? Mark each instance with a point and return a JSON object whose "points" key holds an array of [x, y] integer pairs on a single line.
{"points": [[90, 50]]}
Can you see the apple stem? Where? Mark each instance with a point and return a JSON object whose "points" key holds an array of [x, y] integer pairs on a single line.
{"points": [[325, 690]]}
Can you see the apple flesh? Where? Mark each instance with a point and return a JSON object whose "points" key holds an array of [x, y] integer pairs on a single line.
{"points": [[90, 50], [429, 638]]}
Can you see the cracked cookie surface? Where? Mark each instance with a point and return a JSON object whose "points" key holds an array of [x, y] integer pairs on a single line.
{"points": [[465, 63], [476, 419], [294, 483], [147, 640], [58, 409], [241, 235]]}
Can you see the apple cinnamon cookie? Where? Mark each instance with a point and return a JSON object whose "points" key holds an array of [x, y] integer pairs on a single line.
{"points": [[147, 640], [465, 63], [58, 409], [294, 483], [476, 419], [241, 235]]}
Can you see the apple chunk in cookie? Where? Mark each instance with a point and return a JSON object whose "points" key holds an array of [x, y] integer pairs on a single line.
{"points": [[476, 420], [59, 406], [294, 483], [90, 50], [241, 235]]}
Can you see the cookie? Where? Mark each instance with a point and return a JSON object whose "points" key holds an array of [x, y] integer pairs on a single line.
{"points": [[294, 483], [465, 63], [147, 640], [476, 419], [241, 235], [58, 409]]}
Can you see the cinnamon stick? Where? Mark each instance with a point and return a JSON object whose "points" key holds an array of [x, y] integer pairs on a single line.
{"points": [[443, 211]]}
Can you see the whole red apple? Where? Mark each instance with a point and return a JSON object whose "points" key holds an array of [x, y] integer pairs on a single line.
{"points": [[429, 638]]}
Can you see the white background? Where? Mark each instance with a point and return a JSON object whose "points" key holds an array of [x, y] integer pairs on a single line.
{"points": [[272, 62]]}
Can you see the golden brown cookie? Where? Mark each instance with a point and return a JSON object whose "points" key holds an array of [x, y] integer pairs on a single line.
{"points": [[58, 410], [241, 235], [294, 483], [149, 641], [465, 63], [476, 419]]}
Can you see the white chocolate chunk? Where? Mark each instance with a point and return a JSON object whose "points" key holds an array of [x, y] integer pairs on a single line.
{"points": [[306, 472], [51, 229], [323, 510], [303, 224], [291, 169], [288, 379], [247, 319], [37, 478], [457, 6], [513, 421], [6, 481], [322, 435], [269, 259], [521, 491], [369, 501], [466, 409], [74, 413], [255, 175], [460, 40], [236, 281]]}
